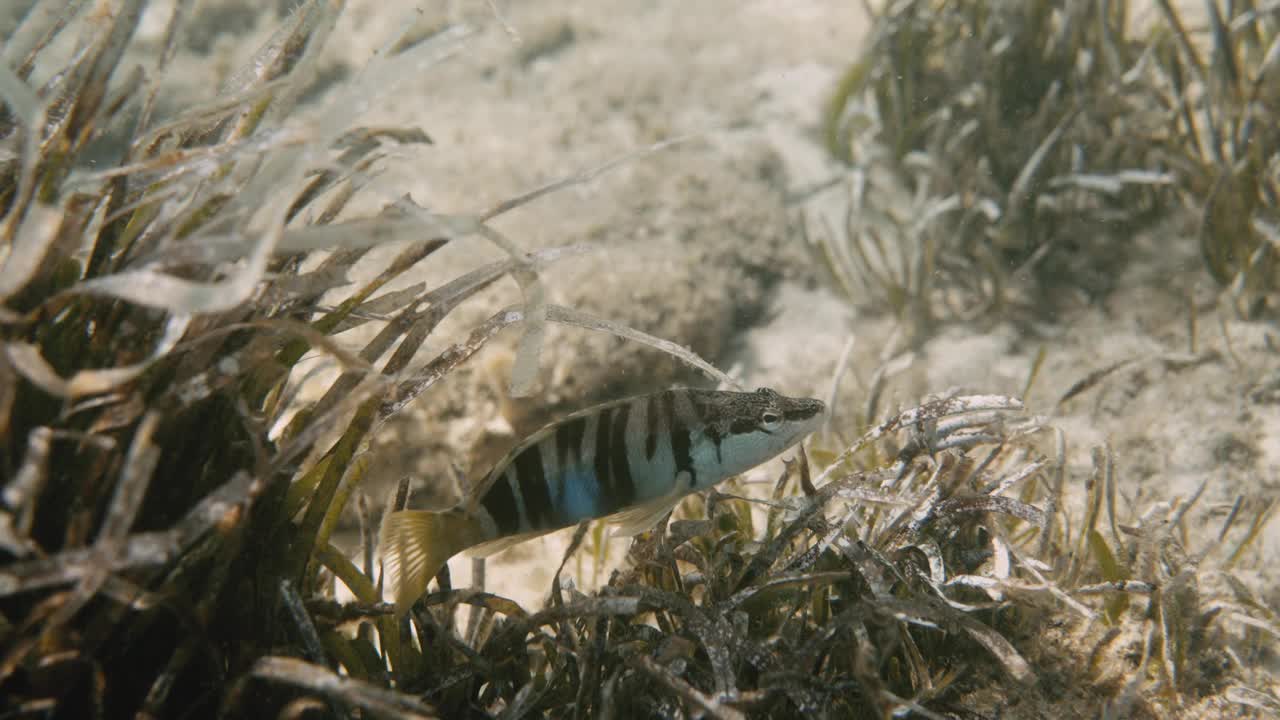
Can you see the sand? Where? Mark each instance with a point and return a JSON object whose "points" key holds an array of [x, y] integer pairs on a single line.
{"points": [[699, 244]]}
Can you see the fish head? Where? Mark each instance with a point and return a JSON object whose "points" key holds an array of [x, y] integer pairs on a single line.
{"points": [[747, 429]]}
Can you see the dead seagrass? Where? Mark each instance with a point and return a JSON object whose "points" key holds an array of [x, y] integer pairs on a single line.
{"points": [[631, 460]]}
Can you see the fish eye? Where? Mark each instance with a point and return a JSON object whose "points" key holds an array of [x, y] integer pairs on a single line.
{"points": [[770, 418]]}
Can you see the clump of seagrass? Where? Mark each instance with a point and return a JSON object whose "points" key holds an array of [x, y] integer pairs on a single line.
{"points": [[855, 598], [1218, 88], [902, 579], [998, 150], [1181, 627], [159, 541]]}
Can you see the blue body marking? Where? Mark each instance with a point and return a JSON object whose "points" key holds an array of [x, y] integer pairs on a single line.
{"points": [[581, 498]]}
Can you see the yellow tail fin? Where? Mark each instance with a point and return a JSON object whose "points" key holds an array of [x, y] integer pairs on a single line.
{"points": [[416, 544]]}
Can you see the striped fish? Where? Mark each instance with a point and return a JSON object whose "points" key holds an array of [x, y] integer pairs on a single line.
{"points": [[632, 459]]}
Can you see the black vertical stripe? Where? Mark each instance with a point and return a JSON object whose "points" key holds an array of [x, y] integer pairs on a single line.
{"points": [[569, 442], [623, 488], [716, 439], [501, 506], [533, 486], [680, 441], [601, 460], [657, 406]]}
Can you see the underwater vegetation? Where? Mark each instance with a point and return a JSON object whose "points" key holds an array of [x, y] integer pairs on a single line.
{"points": [[1000, 151], [169, 502]]}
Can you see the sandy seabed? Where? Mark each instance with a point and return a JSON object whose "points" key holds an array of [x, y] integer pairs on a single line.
{"points": [[698, 244]]}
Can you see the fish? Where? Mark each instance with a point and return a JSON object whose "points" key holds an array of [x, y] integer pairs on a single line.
{"points": [[630, 461]]}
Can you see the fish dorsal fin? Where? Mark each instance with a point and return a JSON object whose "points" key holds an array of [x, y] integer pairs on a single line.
{"points": [[636, 520], [493, 547]]}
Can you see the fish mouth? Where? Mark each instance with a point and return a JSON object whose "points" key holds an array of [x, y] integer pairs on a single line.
{"points": [[804, 416], [805, 409]]}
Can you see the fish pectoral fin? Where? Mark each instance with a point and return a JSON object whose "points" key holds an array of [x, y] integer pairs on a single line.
{"points": [[493, 547], [636, 520], [643, 517]]}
